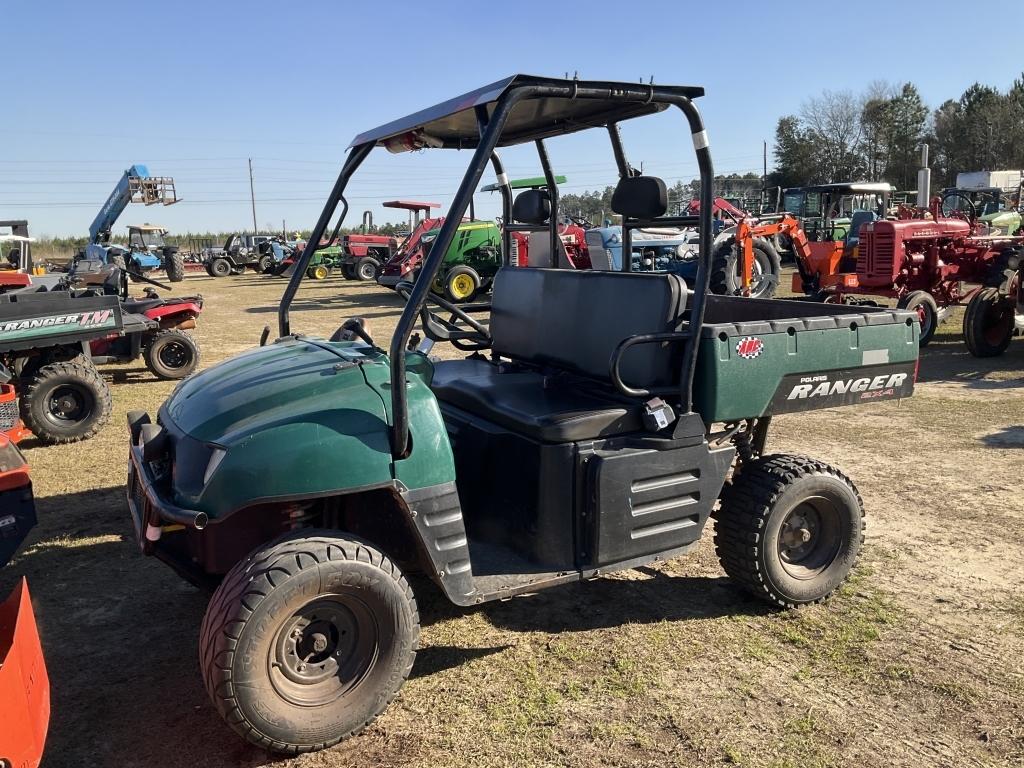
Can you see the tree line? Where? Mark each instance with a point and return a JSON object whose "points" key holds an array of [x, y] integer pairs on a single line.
{"points": [[876, 135]]}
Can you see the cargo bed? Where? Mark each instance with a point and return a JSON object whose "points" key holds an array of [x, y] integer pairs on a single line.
{"points": [[766, 356]]}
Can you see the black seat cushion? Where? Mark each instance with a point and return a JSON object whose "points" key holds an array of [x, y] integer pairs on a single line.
{"points": [[138, 306], [529, 403]]}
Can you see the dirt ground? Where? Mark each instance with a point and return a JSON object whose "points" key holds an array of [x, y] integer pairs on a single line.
{"points": [[919, 661]]}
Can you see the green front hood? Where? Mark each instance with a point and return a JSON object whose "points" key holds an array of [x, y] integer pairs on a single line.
{"points": [[295, 380], [294, 418]]}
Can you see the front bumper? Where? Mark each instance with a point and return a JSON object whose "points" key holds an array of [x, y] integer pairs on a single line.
{"points": [[150, 510]]}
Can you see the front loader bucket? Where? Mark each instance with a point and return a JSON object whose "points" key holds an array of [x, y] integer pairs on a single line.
{"points": [[24, 684]]}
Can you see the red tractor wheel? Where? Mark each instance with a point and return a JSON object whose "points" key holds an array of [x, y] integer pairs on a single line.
{"points": [[988, 323], [927, 312]]}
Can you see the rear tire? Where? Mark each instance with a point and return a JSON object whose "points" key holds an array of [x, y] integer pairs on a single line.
{"points": [[175, 266], [171, 354], [348, 271], [307, 640], [264, 265], [988, 323], [65, 402], [366, 269], [789, 529], [927, 310], [725, 277], [220, 267]]}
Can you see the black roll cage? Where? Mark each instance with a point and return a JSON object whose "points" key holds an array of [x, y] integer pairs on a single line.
{"points": [[490, 131]]}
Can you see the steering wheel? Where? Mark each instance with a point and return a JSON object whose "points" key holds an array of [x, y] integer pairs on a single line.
{"points": [[970, 213], [438, 329]]}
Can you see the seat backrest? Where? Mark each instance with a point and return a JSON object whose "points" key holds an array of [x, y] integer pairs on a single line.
{"points": [[539, 251], [600, 257], [859, 219], [574, 319]]}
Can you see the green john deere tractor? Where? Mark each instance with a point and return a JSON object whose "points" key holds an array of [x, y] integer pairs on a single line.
{"points": [[595, 423]]}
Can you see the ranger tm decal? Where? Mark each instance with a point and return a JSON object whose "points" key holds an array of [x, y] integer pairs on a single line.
{"points": [[828, 389], [61, 323]]}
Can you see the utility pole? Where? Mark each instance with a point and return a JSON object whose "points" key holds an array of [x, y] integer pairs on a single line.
{"points": [[252, 197]]}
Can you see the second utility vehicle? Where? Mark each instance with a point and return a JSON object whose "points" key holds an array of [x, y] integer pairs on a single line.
{"points": [[598, 421]]}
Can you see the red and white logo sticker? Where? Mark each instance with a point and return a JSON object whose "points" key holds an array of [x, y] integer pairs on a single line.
{"points": [[749, 347]]}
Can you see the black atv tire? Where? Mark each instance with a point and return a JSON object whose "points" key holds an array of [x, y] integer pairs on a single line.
{"points": [[171, 354], [66, 401], [756, 541], [263, 617], [988, 323], [366, 269], [725, 278], [265, 265], [927, 310], [174, 265], [219, 267]]}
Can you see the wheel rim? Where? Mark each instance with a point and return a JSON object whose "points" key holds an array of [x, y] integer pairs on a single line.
{"points": [[66, 406], [367, 271], [758, 276], [323, 650], [320, 272], [461, 286], [924, 315], [174, 354], [809, 538]]}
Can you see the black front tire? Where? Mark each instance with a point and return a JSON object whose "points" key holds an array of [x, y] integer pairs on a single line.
{"points": [[348, 271], [725, 269], [220, 267], [307, 640], [171, 354], [65, 402], [789, 529], [265, 265], [174, 264], [927, 310], [988, 323]]}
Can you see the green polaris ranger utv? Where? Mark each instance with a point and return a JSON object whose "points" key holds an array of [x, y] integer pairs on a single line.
{"points": [[593, 423]]}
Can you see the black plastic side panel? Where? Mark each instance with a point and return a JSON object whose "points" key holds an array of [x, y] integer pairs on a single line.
{"points": [[515, 492], [437, 514], [17, 517], [644, 501]]}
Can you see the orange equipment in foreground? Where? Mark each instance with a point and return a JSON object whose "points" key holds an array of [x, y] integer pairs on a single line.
{"points": [[24, 684]]}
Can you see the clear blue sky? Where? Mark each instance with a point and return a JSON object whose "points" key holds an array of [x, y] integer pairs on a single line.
{"points": [[193, 89]]}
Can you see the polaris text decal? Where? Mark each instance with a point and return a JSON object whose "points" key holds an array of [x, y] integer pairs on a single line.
{"points": [[37, 326], [828, 389]]}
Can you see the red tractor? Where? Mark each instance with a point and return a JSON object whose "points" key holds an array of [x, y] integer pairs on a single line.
{"points": [[364, 256], [922, 259]]}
